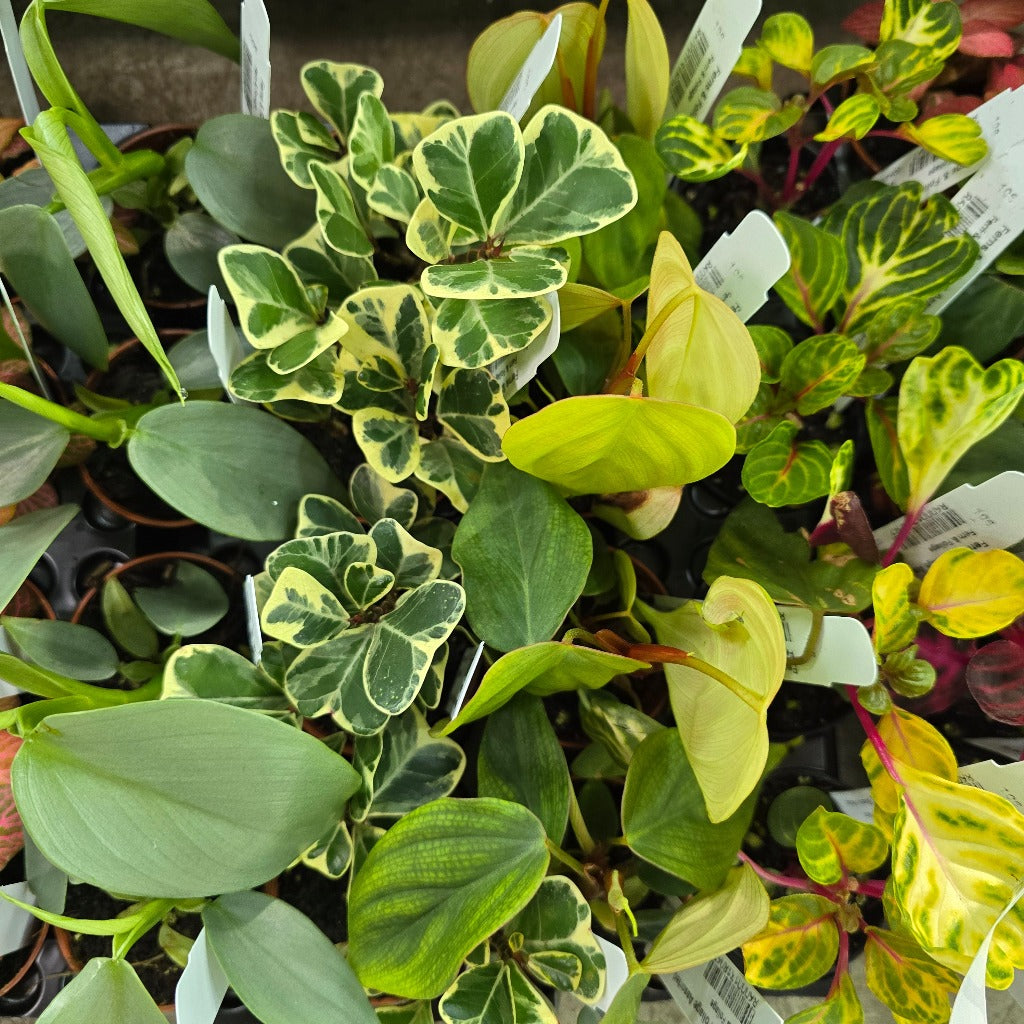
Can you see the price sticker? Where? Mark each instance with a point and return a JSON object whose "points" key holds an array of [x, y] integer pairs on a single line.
{"points": [[15, 923], [843, 654], [717, 993], [541, 60], [201, 987], [1005, 780], [255, 53]]}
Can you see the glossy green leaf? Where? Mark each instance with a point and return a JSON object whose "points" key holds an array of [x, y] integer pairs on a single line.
{"points": [[881, 416], [31, 445], [520, 760], [694, 152], [798, 945], [789, 41], [780, 470], [103, 987], [817, 269], [596, 444], [494, 991], [320, 515], [235, 823], [437, 884], [820, 370], [475, 332], [22, 543], [190, 602], [66, 648], [389, 441], [839, 62], [619, 728], [900, 332], [832, 846], [319, 382], [852, 119], [747, 115], [334, 89], [523, 273], [336, 213], [221, 465], [371, 140], [904, 977], [248, 930]]}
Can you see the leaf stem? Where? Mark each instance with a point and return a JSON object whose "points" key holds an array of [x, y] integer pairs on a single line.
{"points": [[628, 372], [579, 826], [673, 656], [872, 733], [795, 146], [626, 942], [842, 961], [821, 161], [787, 881], [566, 858], [909, 522], [113, 432]]}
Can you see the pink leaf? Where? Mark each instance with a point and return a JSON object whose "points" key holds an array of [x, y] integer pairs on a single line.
{"points": [[983, 39], [865, 22], [1003, 14], [936, 103], [12, 838], [995, 677]]}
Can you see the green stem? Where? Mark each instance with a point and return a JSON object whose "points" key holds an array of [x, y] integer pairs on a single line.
{"points": [[579, 826], [134, 167], [626, 942], [152, 912], [567, 859], [653, 327], [112, 432], [42, 683], [813, 639]]}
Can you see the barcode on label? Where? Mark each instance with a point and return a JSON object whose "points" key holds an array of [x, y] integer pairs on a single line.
{"points": [[712, 280], [696, 50], [973, 209], [938, 521], [733, 990], [249, 85]]}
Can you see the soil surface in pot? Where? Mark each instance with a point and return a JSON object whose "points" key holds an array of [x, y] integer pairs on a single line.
{"points": [[323, 900], [332, 438]]}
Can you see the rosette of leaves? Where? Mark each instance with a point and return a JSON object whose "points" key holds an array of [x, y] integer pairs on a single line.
{"points": [[916, 39], [365, 611], [390, 369]]}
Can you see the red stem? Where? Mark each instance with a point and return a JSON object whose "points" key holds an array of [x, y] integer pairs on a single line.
{"points": [[872, 733], [821, 161], [789, 187], [842, 961], [909, 522], [788, 881], [873, 887]]}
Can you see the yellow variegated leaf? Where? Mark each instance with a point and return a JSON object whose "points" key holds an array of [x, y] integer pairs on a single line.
{"points": [[737, 630], [755, 63], [969, 593], [700, 352], [912, 741], [711, 925], [301, 611], [935, 27], [895, 621], [430, 236], [788, 38], [389, 440], [841, 1008], [831, 846], [852, 119], [798, 945], [694, 152], [747, 115], [647, 69], [957, 857], [953, 137], [906, 978]]}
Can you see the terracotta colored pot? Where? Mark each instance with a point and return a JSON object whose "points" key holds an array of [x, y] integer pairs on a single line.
{"points": [[31, 954]]}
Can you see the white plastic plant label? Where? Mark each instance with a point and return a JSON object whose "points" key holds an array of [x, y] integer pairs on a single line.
{"points": [[991, 208], [460, 694], [519, 96], [717, 993], [857, 803], [1016, 989], [15, 923], [255, 35], [616, 972], [201, 986], [48, 883], [514, 372], [1005, 780], [16, 61], [1002, 126], [252, 620], [971, 1005], [225, 345], [844, 652], [1010, 747], [983, 517], [741, 266], [709, 55], [6, 689]]}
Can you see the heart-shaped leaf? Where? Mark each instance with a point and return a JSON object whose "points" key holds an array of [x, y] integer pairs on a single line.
{"points": [[797, 947], [993, 676], [336, 213], [832, 846], [906, 978], [783, 471], [747, 114], [694, 152], [522, 273], [895, 621], [820, 370], [789, 41], [475, 332], [817, 269], [334, 89], [472, 407]]}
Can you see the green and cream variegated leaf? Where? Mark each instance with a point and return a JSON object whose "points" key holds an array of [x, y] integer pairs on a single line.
{"points": [[497, 991], [472, 407], [475, 332], [336, 213], [837, 63], [954, 137], [429, 236], [736, 629], [316, 262], [407, 559], [334, 89], [818, 371], [394, 193], [711, 925], [301, 611], [395, 317], [449, 466], [895, 620], [935, 26], [695, 152], [574, 181], [852, 119], [302, 140], [789, 41], [747, 114], [366, 584], [374, 498], [521, 273], [780, 470], [798, 945], [320, 514], [389, 441], [331, 854], [832, 846], [371, 141], [301, 350], [319, 382], [948, 403], [470, 168], [904, 977], [324, 557], [817, 270]]}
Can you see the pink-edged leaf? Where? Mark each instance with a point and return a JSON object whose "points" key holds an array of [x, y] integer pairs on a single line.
{"points": [[995, 677], [983, 39], [1003, 14], [1005, 75], [11, 837], [45, 497], [937, 103], [865, 22]]}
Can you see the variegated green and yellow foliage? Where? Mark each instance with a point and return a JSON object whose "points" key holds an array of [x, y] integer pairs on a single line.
{"points": [[797, 946], [832, 846]]}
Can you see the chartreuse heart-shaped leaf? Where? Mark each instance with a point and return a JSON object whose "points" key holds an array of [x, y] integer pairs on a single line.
{"points": [[852, 119], [557, 941], [245, 929], [574, 181], [371, 141], [836, 63], [897, 247], [497, 990], [522, 573], [895, 621], [913, 742], [953, 851], [754, 546], [438, 883], [334, 89], [780, 470], [301, 611], [820, 370], [104, 987], [647, 69], [935, 26], [788, 40], [841, 1008], [832, 846], [747, 115], [470, 168], [737, 630], [952, 137], [542, 669], [520, 760], [475, 332], [904, 977], [598, 444], [711, 925], [473, 409], [665, 820], [525, 272], [798, 945], [700, 351], [969, 593], [236, 823], [694, 152], [947, 404], [817, 269], [336, 212]]}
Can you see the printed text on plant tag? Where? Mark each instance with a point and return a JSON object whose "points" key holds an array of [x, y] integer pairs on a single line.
{"points": [[255, 33], [717, 993]]}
